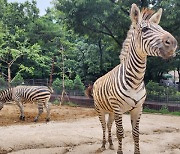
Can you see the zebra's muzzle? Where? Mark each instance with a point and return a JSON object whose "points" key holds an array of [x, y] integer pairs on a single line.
{"points": [[167, 54], [169, 45]]}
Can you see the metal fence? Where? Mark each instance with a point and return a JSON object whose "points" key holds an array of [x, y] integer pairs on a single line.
{"points": [[36, 82], [152, 101], [168, 99], [29, 82]]}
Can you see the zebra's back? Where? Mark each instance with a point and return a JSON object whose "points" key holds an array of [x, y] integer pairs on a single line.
{"points": [[31, 93]]}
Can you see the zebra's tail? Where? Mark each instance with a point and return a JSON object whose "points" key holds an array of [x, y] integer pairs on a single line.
{"points": [[89, 91]]}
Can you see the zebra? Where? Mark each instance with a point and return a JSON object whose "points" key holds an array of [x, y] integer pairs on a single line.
{"points": [[24, 94], [122, 89]]}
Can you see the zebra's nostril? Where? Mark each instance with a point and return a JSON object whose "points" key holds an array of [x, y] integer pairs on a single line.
{"points": [[167, 42]]}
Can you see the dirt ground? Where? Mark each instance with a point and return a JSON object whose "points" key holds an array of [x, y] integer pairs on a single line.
{"points": [[9, 115], [76, 130]]}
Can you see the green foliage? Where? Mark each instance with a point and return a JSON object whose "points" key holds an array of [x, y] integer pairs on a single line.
{"points": [[56, 102], [161, 93], [153, 88], [78, 85], [163, 110], [91, 32], [3, 83], [70, 104], [57, 85], [17, 80], [70, 85]]}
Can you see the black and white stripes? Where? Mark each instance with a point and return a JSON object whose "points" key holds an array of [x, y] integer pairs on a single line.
{"points": [[24, 94], [122, 89]]}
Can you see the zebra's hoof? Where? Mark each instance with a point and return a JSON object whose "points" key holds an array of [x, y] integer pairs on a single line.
{"points": [[100, 149], [111, 147], [48, 119], [22, 118], [119, 152], [35, 120]]}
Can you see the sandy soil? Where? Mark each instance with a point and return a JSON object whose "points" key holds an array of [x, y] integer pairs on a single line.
{"points": [[76, 130]]}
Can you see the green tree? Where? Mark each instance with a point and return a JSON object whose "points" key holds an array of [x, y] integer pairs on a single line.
{"points": [[17, 80], [78, 85], [11, 48], [96, 17], [19, 14]]}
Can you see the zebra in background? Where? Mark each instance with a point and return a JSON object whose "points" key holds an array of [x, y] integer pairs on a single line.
{"points": [[122, 89], [24, 94]]}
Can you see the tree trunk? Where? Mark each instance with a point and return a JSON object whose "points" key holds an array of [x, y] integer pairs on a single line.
{"points": [[101, 56], [9, 75], [63, 72], [52, 71]]}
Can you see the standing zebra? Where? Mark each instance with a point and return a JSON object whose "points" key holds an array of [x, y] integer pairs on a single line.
{"points": [[122, 89], [24, 94]]}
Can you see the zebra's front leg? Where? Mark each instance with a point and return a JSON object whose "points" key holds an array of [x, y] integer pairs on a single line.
{"points": [[101, 115], [21, 107], [119, 131], [109, 126], [40, 111], [135, 118]]}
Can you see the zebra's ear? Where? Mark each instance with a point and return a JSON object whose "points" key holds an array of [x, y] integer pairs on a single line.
{"points": [[135, 15], [156, 17]]}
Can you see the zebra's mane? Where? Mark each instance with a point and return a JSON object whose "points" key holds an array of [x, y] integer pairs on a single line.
{"points": [[146, 15]]}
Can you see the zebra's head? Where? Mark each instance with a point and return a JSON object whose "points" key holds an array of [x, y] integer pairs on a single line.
{"points": [[150, 38]]}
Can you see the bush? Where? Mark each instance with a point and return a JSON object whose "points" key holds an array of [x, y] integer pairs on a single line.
{"points": [[78, 85], [17, 80], [57, 85], [68, 84], [164, 110], [153, 88], [56, 102], [161, 93]]}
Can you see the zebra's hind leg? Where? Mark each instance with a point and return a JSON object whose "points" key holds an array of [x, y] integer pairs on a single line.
{"points": [[119, 131], [135, 118], [21, 107], [101, 115], [47, 106], [109, 126], [40, 111], [1, 105]]}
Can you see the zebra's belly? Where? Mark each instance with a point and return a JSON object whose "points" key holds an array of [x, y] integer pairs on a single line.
{"points": [[103, 104], [111, 104], [24, 100]]}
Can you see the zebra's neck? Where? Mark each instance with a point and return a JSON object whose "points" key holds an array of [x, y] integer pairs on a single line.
{"points": [[134, 67]]}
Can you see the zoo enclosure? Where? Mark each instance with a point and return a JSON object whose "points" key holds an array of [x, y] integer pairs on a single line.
{"points": [[152, 101]]}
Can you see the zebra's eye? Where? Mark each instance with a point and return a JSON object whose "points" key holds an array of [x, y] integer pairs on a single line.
{"points": [[144, 29]]}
